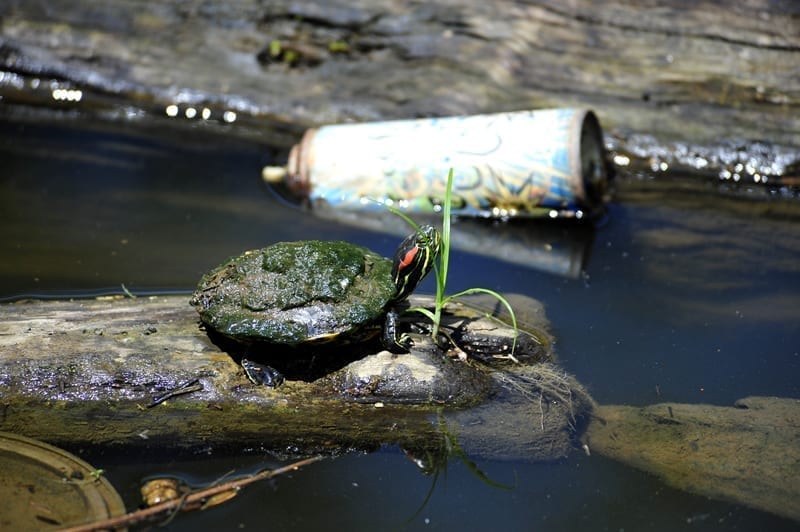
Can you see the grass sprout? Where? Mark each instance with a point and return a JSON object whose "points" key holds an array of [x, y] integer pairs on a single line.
{"points": [[440, 268]]}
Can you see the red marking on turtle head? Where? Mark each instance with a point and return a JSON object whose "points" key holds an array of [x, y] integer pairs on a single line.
{"points": [[408, 258]]}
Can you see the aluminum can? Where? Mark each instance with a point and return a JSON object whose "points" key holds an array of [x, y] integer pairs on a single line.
{"points": [[542, 163]]}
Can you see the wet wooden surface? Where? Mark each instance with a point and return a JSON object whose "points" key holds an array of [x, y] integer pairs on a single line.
{"points": [[695, 72]]}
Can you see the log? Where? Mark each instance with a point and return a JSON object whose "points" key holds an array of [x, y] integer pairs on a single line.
{"points": [[747, 453], [86, 373], [688, 76]]}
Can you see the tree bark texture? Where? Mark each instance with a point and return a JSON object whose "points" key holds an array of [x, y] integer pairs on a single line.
{"points": [[698, 72]]}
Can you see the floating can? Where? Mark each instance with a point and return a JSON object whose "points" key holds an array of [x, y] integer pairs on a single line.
{"points": [[519, 164]]}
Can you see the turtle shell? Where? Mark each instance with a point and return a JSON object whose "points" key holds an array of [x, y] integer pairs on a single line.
{"points": [[293, 292]]}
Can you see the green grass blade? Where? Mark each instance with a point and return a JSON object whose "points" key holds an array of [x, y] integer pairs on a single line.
{"points": [[421, 310], [444, 256], [445, 252]]}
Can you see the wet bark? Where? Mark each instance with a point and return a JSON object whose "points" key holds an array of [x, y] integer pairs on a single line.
{"points": [[695, 73]]}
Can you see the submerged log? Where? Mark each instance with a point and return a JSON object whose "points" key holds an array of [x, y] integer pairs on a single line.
{"points": [[748, 453], [695, 73]]}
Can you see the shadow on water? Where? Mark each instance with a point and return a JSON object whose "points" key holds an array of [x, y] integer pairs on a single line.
{"points": [[689, 297]]}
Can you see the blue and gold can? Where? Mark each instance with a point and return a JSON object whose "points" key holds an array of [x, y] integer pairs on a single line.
{"points": [[544, 163]]}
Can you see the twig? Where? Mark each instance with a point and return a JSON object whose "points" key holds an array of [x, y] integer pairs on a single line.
{"points": [[193, 498], [193, 385]]}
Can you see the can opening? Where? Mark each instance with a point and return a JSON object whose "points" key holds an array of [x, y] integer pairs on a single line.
{"points": [[594, 170]]}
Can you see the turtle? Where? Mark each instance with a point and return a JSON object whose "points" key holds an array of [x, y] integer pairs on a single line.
{"points": [[313, 291]]}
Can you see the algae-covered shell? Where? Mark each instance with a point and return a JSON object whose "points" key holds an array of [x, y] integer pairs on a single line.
{"points": [[293, 292]]}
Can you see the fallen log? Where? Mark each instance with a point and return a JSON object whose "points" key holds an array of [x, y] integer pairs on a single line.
{"points": [[694, 74], [95, 373]]}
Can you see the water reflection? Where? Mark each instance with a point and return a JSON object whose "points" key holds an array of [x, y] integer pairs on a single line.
{"points": [[558, 247], [720, 246]]}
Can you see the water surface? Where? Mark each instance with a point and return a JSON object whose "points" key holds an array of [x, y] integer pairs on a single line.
{"points": [[688, 296]]}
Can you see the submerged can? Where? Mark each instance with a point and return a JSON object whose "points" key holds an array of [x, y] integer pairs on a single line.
{"points": [[525, 163]]}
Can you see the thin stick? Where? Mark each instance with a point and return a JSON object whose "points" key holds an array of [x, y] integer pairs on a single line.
{"points": [[194, 497]]}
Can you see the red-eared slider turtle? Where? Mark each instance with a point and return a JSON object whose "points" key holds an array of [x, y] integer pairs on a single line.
{"points": [[307, 291]]}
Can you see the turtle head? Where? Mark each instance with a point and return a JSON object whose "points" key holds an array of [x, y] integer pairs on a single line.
{"points": [[414, 259]]}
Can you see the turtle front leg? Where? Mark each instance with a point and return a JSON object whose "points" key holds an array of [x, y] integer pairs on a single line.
{"points": [[391, 340]]}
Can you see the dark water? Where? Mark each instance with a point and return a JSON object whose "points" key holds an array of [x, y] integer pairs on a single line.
{"points": [[688, 297]]}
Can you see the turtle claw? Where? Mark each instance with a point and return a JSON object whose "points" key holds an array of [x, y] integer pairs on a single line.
{"points": [[405, 342]]}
